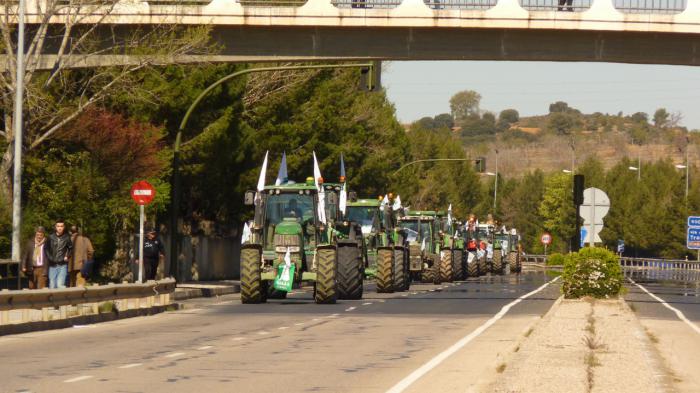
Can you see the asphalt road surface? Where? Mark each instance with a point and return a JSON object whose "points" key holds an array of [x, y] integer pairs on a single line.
{"points": [[682, 295], [292, 345]]}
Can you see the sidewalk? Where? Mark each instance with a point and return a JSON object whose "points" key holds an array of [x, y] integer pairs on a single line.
{"points": [[585, 346], [191, 290]]}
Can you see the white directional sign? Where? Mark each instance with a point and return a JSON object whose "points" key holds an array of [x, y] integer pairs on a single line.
{"points": [[596, 205]]}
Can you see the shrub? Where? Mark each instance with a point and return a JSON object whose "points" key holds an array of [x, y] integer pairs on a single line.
{"points": [[592, 272], [556, 259]]}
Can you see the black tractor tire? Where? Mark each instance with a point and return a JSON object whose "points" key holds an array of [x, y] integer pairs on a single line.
{"points": [[385, 271], [514, 262], [407, 266], [325, 286], [400, 272], [458, 265], [427, 275], [446, 273], [252, 288], [349, 273], [473, 268], [483, 266], [436, 269], [497, 262]]}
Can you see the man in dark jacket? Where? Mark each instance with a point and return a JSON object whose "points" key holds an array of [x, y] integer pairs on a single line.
{"points": [[35, 262], [58, 252], [152, 251]]}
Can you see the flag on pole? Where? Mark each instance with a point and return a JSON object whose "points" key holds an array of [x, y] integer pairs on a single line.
{"points": [[343, 202], [385, 202], [321, 192], [397, 203], [261, 179], [342, 167], [422, 246], [282, 176], [449, 215], [246, 233]]}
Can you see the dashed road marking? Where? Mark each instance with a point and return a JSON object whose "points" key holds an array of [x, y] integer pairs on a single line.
{"points": [[132, 365], [283, 328], [174, 355], [404, 295], [366, 304], [204, 348], [263, 332], [298, 323], [678, 312], [437, 360], [414, 293], [78, 379], [238, 338], [333, 315], [350, 308]]}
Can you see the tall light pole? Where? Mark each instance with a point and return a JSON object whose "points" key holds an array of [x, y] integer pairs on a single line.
{"points": [[17, 118], [495, 186]]}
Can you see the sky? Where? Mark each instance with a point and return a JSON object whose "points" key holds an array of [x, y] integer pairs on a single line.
{"points": [[424, 88]]}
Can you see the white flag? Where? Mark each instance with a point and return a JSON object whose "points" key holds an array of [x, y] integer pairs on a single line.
{"points": [[449, 215], [261, 179], [282, 173], [422, 246], [385, 202], [246, 233], [317, 172], [287, 258], [343, 202], [321, 192], [397, 203]]}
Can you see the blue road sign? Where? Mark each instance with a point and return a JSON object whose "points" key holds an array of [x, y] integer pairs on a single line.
{"points": [[694, 221], [693, 240], [620, 246], [584, 232]]}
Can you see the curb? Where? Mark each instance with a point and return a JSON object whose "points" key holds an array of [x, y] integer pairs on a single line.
{"points": [[29, 327], [185, 291]]}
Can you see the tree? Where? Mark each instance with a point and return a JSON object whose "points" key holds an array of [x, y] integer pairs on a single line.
{"points": [[559, 107], [557, 209], [465, 104], [661, 117], [508, 116], [57, 97], [443, 120], [560, 123], [640, 117]]}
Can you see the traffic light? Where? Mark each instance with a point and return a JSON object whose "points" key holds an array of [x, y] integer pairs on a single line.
{"points": [[578, 190], [371, 77]]}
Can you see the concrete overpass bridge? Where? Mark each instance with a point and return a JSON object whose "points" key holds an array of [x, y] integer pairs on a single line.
{"points": [[627, 31]]}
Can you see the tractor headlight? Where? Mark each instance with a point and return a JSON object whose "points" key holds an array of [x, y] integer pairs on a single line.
{"points": [[284, 248]]}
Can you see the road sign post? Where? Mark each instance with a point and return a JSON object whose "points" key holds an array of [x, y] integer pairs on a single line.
{"points": [[142, 193], [693, 234], [546, 240], [596, 205]]}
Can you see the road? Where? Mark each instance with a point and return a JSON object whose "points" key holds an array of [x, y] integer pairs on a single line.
{"points": [[292, 345]]}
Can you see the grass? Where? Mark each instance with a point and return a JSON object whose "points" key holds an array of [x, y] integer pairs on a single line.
{"points": [[501, 368]]}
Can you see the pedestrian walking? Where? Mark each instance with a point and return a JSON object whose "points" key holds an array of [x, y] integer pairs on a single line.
{"points": [[82, 253], [58, 251], [35, 261], [152, 251]]}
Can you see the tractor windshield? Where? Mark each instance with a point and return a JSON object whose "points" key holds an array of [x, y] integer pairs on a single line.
{"points": [[417, 229], [367, 217], [291, 205]]}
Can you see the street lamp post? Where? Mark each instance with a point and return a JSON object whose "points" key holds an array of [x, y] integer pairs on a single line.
{"points": [[17, 170], [495, 186]]}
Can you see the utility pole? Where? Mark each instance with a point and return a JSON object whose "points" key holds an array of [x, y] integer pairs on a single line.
{"points": [[17, 118], [495, 187], [687, 167]]}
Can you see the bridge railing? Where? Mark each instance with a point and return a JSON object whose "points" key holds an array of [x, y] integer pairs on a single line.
{"points": [[659, 264], [650, 6], [556, 5]]}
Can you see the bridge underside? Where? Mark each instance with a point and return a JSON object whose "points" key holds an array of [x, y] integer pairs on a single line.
{"points": [[274, 44], [324, 43]]}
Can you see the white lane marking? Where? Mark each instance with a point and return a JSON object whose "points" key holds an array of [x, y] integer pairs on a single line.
{"points": [[204, 348], [431, 290], [132, 365], [238, 338], [174, 355], [414, 293], [283, 328], [333, 315], [224, 302], [298, 323], [78, 379], [678, 312], [439, 358], [262, 333], [350, 308], [404, 295], [366, 304], [316, 319]]}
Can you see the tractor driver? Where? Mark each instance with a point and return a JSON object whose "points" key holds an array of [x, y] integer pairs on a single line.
{"points": [[293, 210]]}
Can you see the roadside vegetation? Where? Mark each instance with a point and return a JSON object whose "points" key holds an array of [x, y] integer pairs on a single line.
{"points": [[593, 272]]}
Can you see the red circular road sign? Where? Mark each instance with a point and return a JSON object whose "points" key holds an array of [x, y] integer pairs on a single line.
{"points": [[546, 238], [142, 192]]}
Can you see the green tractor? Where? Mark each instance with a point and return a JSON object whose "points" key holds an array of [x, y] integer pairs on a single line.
{"points": [[452, 256], [514, 252], [385, 251], [290, 223], [484, 256], [421, 235], [500, 245]]}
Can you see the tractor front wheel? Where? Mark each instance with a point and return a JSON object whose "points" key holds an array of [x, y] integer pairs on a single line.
{"points": [[325, 286], [349, 273], [385, 271], [252, 290], [446, 266]]}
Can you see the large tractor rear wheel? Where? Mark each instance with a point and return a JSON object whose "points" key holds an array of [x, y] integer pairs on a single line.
{"points": [[497, 262], [436, 270], [483, 268], [446, 266], [514, 262], [458, 265], [325, 286], [349, 272], [252, 290], [400, 272], [385, 271], [473, 268], [427, 275]]}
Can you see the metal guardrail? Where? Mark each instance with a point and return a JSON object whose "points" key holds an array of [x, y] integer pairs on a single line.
{"points": [[659, 264], [533, 258], [368, 4], [650, 6], [556, 5], [41, 298]]}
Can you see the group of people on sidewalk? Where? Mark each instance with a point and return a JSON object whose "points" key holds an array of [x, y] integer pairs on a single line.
{"points": [[63, 258]]}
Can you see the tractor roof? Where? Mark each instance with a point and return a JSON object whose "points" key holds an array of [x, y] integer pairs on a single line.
{"points": [[291, 187], [365, 203], [430, 213]]}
